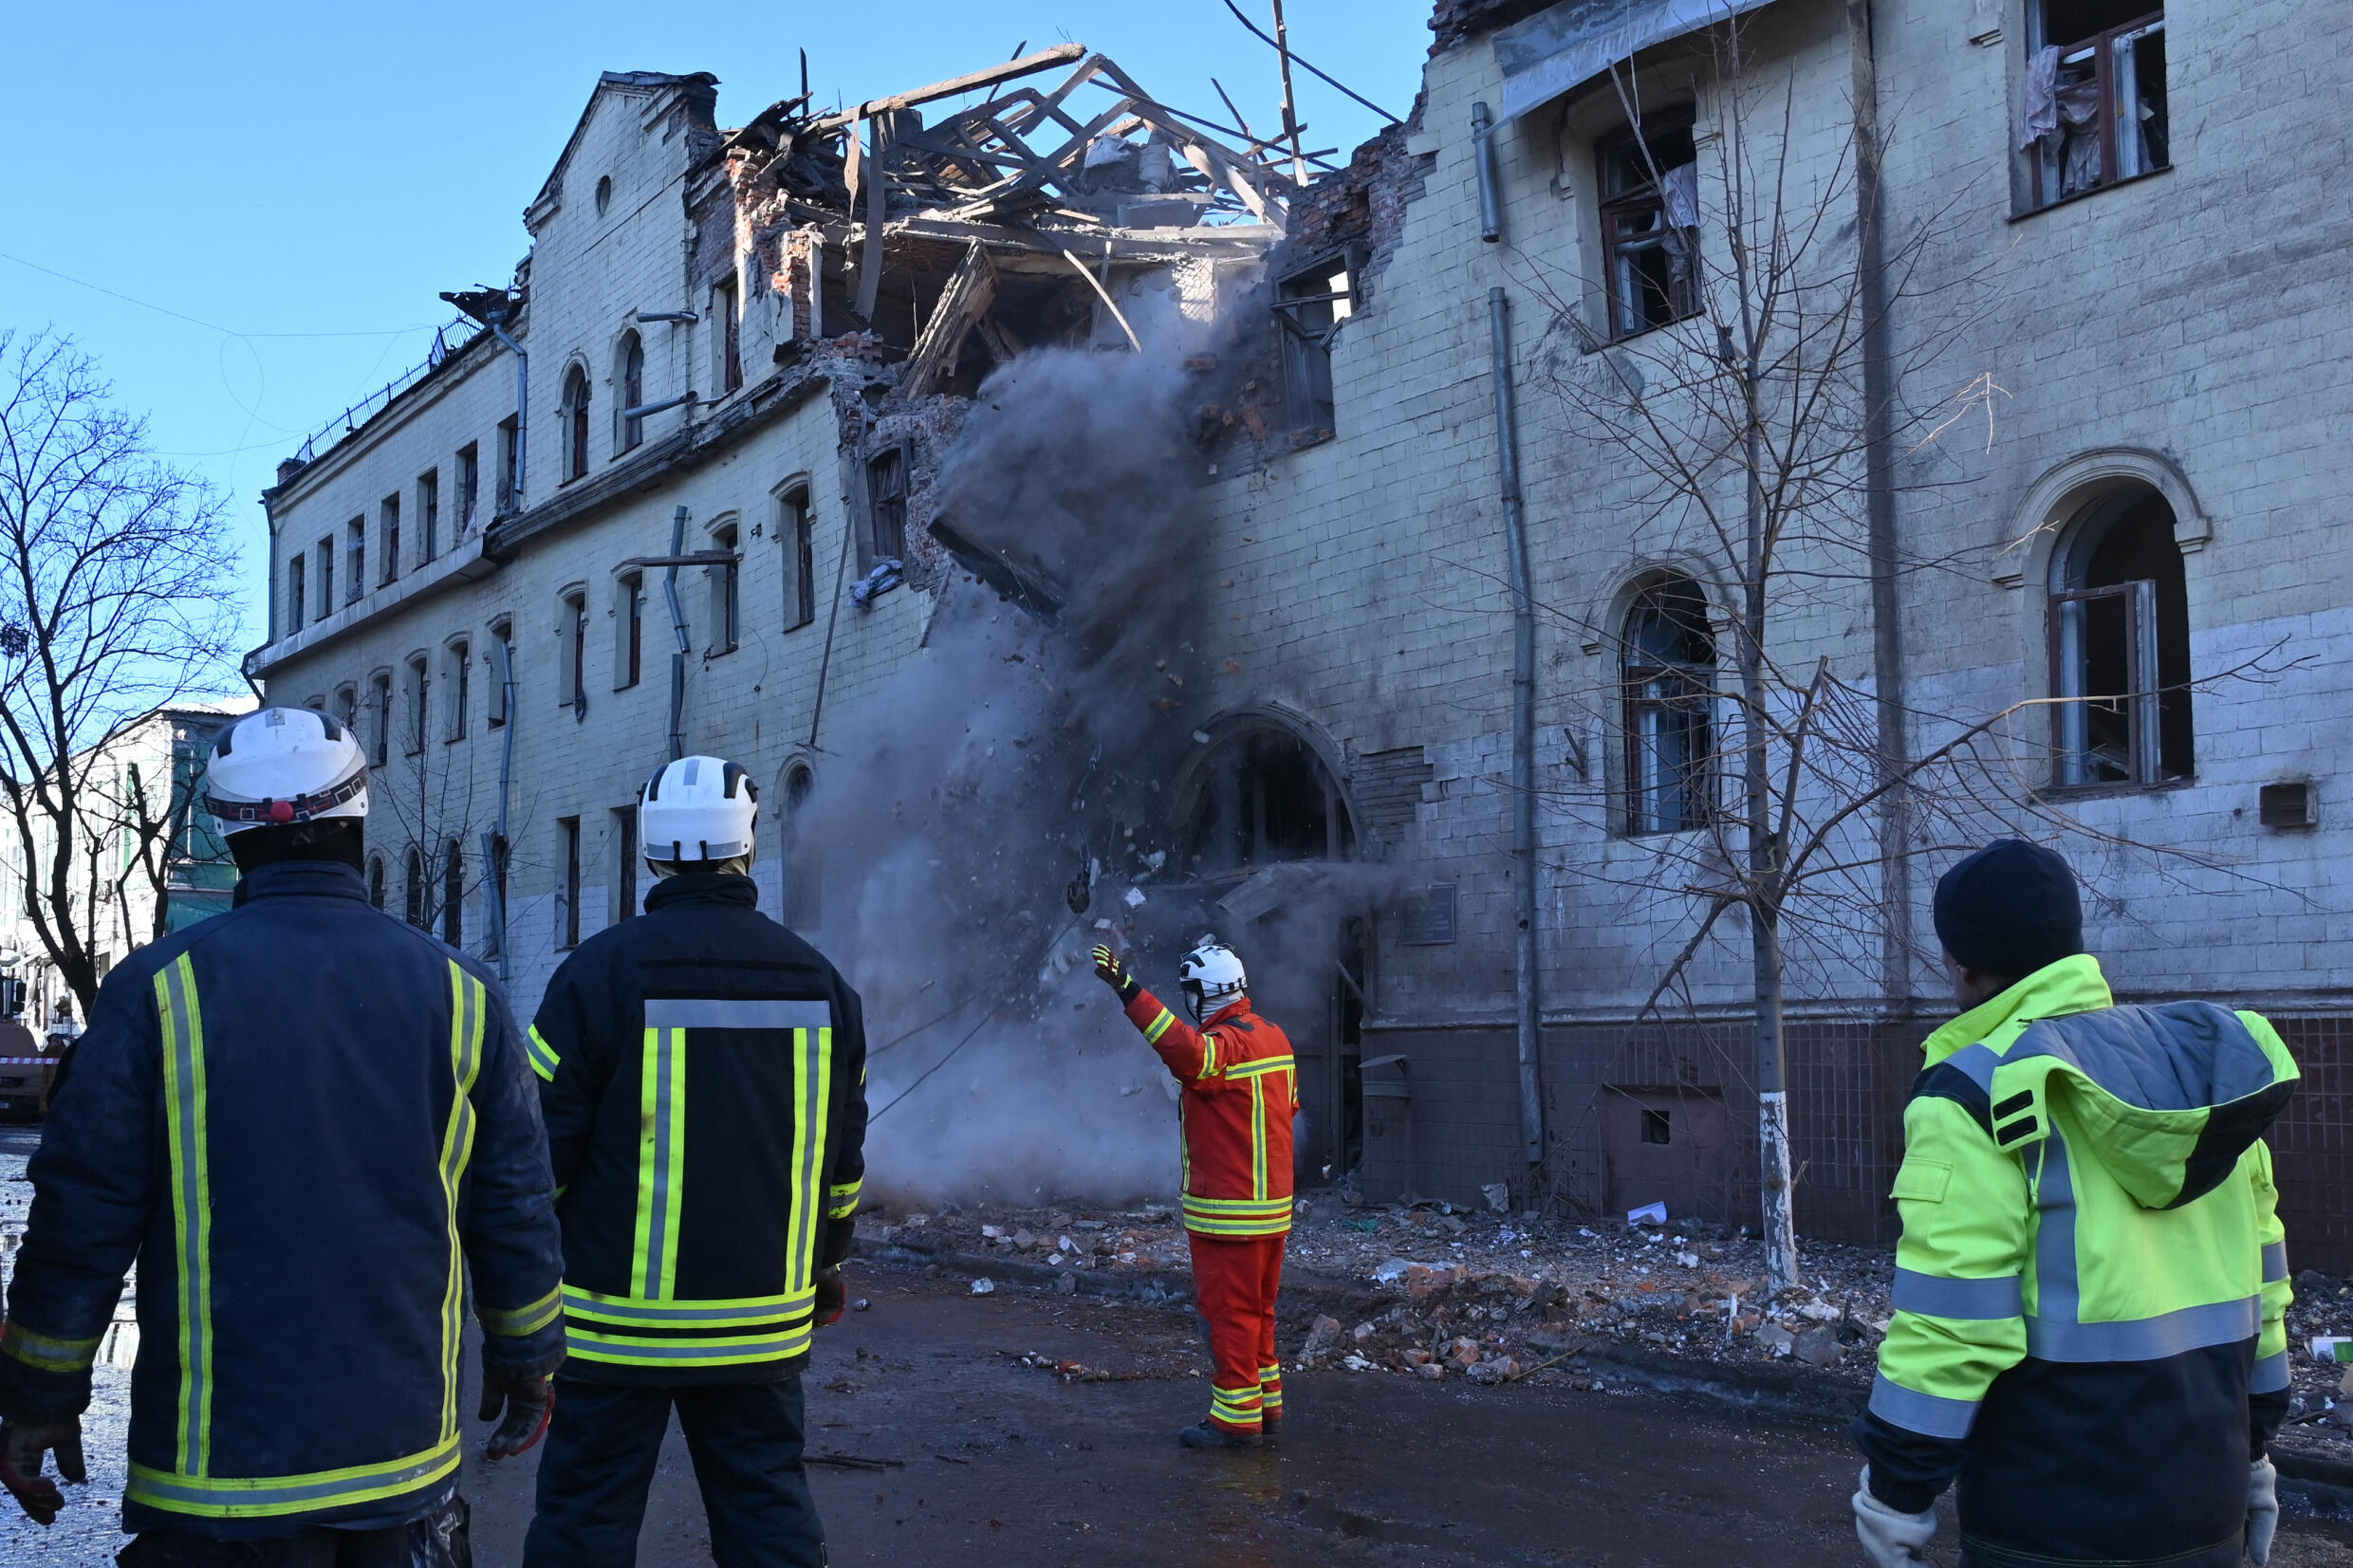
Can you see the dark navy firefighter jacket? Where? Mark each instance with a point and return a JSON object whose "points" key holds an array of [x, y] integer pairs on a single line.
{"points": [[705, 1091], [304, 1119]]}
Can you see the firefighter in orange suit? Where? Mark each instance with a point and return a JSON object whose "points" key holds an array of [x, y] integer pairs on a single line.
{"points": [[1240, 1091]]}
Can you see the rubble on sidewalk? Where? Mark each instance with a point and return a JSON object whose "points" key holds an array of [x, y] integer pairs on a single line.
{"points": [[1443, 1294]]}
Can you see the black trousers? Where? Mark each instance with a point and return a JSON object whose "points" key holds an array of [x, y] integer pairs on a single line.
{"points": [[745, 1439], [437, 1540]]}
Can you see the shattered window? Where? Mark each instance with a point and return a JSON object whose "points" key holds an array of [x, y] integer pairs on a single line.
{"points": [[1309, 306], [2120, 648], [632, 391], [509, 464], [1669, 676], [725, 603], [469, 485], [886, 508], [794, 532], [388, 540], [1650, 223], [2094, 110], [728, 339], [355, 560]]}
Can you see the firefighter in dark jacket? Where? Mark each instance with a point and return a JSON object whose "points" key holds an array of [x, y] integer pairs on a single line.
{"points": [[705, 1093], [2091, 1288], [307, 1122]]}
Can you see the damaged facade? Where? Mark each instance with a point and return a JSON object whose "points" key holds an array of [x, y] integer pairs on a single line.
{"points": [[2146, 525]]}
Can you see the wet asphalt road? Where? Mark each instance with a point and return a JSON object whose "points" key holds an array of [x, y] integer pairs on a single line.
{"points": [[948, 1451]]}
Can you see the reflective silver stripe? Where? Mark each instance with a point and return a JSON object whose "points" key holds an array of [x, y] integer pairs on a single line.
{"points": [[2146, 1339], [2274, 1262], [671, 1013], [595, 1348], [1931, 1415], [226, 1498], [2271, 1375], [2058, 1292], [777, 1309], [1976, 1063], [1942, 1296]]}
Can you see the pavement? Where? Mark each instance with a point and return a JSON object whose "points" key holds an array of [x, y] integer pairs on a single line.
{"points": [[942, 1432]]}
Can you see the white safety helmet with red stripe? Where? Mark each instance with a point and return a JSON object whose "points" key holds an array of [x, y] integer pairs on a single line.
{"points": [[698, 808], [280, 766], [1211, 978]]}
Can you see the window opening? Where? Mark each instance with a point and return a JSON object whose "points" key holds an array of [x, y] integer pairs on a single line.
{"points": [[625, 874], [428, 511], [632, 391], [326, 576], [731, 338], [1669, 674], [575, 423], [509, 465], [355, 559], [379, 702], [1268, 798], [461, 688], [347, 707], [604, 194], [567, 834], [388, 539], [2093, 108], [572, 684], [376, 882], [1656, 1127], [628, 630], [419, 890], [501, 669], [886, 508], [725, 598], [794, 530], [453, 895], [2120, 648], [295, 573], [418, 684], [1309, 306], [1650, 223], [469, 486]]}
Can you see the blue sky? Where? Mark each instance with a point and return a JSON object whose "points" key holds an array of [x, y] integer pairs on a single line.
{"points": [[295, 186]]}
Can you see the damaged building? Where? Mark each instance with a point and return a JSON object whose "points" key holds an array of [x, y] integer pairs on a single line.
{"points": [[2079, 443]]}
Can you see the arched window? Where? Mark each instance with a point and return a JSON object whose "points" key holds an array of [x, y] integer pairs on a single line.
{"points": [[453, 895], [1669, 676], [805, 871], [2119, 647], [632, 432], [419, 890], [575, 423], [375, 880]]}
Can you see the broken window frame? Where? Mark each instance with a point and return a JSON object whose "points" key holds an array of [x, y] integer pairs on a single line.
{"points": [[380, 698], [576, 399], [2107, 53], [418, 892], [326, 576], [1615, 206], [428, 515], [1309, 402], [887, 486], [501, 663], [469, 485], [355, 559], [376, 882], [460, 687], [420, 686], [388, 539], [796, 535], [297, 572], [631, 432], [728, 348], [625, 861], [726, 584], [510, 456], [572, 667], [454, 895], [1659, 697], [568, 888], [2157, 713]]}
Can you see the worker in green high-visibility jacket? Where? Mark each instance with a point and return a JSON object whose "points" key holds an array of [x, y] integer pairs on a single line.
{"points": [[2091, 1289]]}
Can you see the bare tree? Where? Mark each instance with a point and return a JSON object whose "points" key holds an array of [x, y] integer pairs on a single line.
{"points": [[113, 572]]}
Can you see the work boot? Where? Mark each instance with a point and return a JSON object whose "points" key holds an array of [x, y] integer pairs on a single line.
{"points": [[1271, 1425], [1210, 1435]]}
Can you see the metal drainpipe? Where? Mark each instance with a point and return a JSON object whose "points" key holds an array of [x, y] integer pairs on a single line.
{"points": [[1523, 734], [678, 624], [493, 844], [1483, 153], [523, 400]]}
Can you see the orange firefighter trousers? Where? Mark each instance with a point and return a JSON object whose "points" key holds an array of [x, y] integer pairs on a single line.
{"points": [[1235, 1280]]}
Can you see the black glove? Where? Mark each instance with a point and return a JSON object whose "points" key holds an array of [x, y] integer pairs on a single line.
{"points": [[1112, 970], [527, 1400], [832, 1295], [23, 1444]]}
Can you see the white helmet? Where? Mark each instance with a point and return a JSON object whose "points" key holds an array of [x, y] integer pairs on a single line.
{"points": [[285, 764], [1211, 978], [698, 808]]}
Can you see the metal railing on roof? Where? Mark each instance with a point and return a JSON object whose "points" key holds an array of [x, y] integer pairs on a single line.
{"points": [[447, 339]]}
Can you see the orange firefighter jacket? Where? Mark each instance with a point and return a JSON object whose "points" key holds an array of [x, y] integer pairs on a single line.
{"points": [[1240, 1093]]}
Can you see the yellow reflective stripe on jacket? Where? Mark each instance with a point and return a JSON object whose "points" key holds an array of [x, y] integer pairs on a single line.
{"points": [[47, 1353], [1159, 1027], [184, 1112], [545, 1059], [842, 1199], [1260, 1067], [1258, 1138], [812, 1095], [1209, 1055], [736, 1312], [265, 1497], [661, 1163], [517, 1322], [469, 1003]]}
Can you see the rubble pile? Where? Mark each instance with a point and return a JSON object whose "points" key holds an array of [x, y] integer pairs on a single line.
{"points": [[1439, 1293]]}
